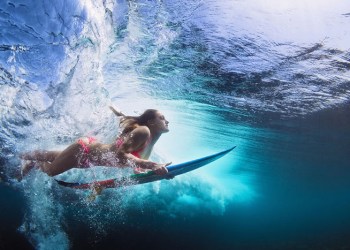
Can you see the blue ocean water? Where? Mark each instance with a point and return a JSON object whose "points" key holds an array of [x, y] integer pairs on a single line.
{"points": [[272, 77]]}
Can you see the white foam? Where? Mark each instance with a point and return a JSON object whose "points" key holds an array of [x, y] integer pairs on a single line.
{"points": [[43, 223]]}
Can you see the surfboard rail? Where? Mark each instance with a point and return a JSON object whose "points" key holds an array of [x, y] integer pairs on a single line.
{"points": [[134, 179]]}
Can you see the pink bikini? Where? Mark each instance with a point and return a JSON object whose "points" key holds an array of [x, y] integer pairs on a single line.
{"points": [[84, 160]]}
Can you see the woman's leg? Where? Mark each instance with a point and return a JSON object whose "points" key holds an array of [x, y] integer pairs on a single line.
{"points": [[40, 155], [67, 159], [29, 165], [36, 158]]}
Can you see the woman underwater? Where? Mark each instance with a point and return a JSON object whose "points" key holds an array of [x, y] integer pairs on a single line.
{"points": [[132, 148]]}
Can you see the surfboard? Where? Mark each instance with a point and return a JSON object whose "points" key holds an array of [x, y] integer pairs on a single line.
{"points": [[173, 170]]}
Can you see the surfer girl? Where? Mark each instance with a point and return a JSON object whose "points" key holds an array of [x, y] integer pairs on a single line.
{"points": [[132, 148]]}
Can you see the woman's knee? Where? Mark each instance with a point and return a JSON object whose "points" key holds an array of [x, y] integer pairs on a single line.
{"points": [[47, 168], [28, 155]]}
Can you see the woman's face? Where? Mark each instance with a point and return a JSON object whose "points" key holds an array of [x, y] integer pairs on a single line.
{"points": [[159, 123]]}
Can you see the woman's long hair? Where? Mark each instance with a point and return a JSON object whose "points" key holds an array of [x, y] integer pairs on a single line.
{"points": [[129, 123]]}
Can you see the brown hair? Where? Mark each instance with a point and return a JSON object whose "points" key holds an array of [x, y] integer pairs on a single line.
{"points": [[128, 123]]}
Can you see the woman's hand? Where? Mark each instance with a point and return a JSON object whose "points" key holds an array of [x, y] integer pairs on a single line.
{"points": [[158, 168], [141, 170], [161, 169]]}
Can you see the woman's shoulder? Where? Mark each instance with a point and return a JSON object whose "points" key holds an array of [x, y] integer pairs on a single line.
{"points": [[142, 131]]}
